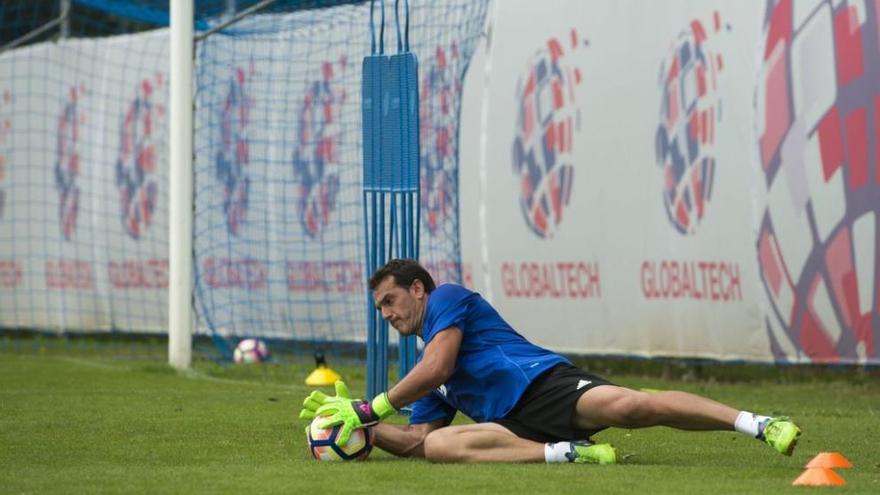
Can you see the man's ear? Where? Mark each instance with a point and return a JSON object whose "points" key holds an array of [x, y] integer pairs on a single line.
{"points": [[417, 289]]}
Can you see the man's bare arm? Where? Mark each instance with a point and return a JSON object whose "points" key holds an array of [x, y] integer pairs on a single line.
{"points": [[404, 440], [436, 366]]}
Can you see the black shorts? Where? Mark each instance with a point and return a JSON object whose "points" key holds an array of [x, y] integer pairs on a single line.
{"points": [[545, 411]]}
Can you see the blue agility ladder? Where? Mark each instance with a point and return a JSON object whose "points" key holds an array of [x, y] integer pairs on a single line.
{"points": [[390, 110]]}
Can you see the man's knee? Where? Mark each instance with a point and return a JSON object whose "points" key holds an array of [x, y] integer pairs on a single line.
{"points": [[632, 409]]}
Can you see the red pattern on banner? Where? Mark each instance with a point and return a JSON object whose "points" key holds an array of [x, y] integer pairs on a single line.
{"points": [[848, 46], [840, 270], [699, 280], [776, 110], [344, 277], [228, 272], [877, 141], [830, 143], [857, 148], [69, 274], [551, 280], [138, 274], [769, 263], [816, 343], [780, 27], [11, 274]]}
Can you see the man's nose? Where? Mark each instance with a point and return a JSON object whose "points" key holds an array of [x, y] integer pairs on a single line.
{"points": [[386, 314]]}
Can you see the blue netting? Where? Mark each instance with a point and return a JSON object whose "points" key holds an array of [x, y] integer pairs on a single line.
{"points": [[278, 234], [83, 174]]}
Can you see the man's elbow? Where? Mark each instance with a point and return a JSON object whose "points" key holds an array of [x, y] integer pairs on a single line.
{"points": [[440, 373], [416, 447]]}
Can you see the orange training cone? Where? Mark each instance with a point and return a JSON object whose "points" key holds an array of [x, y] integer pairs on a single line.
{"points": [[819, 477], [829, 460]]}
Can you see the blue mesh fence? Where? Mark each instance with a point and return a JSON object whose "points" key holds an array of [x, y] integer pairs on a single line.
{"points": [[278, 241], [278, 232]]}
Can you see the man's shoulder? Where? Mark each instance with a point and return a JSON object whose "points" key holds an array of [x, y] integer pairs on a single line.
{"points": [[448, 305], [450, 293], [451, 288]]}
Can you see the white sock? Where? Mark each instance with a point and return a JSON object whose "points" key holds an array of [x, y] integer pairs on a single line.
{"points": [[556, 452], [750, 424]]}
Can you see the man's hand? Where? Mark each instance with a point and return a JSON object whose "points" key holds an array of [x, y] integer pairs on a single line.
{"points": [[316, 399], [342, 410]]}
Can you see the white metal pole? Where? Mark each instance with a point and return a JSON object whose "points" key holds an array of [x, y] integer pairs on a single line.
{"points": [[181, 186], [491, 19], [64, 7]]}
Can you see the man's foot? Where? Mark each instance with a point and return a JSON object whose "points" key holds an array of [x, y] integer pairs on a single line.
{"points": [[781, 434], [592, 453]]}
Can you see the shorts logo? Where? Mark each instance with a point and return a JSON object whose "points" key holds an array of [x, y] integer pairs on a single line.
{"points": [[67, 163], [690, 108], [316, 155], [438, 115], [5, 131], [816, 122], [583, 383], [233, 157], [137, 160], [547, 119]]}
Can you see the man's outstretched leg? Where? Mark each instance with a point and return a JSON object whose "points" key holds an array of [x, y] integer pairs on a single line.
{"points": [[610, 405], [491, 442]]}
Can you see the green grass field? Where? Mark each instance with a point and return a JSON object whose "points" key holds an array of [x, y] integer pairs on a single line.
{"points": [[88, 424]]}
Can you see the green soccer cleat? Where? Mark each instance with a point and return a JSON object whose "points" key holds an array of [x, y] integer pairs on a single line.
{"points": [[781, 434], [592, 453]]}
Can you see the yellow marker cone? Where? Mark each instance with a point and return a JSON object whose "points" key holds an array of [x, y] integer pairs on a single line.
{"points": [[819, 477], [829, 460], [322, 376]]}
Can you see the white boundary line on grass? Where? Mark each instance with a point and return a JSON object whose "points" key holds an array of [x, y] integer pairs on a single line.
{"points": [[93, 364], [198, 375]]}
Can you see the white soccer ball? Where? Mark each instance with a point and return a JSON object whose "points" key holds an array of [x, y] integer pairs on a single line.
{"points": [[324, 447], [251, 351]]}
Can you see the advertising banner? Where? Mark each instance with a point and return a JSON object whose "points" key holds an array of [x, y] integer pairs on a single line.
{"points": [[690, 179]]}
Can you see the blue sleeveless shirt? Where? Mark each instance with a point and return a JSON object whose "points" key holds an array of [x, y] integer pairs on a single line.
{"points": [[495, 364]]}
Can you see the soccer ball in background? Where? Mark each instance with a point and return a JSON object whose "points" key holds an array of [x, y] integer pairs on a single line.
{"points": [[251, 351], [323, 445], [817, 109]]}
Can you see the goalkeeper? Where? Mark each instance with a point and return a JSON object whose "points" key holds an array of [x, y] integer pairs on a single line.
{"points": [[529, 404]]}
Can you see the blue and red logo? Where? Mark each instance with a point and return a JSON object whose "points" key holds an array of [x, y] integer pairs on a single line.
{"points": [[136, 163], [547, 118], [316, 154], [689, 112], [817, 113], [233, 157], [67, 163], [439, 105], [5, 131]]}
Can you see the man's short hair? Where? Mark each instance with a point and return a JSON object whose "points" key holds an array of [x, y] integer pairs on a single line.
{"points": [[405, 272]]}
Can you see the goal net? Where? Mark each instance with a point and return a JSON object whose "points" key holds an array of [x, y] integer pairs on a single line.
{"points": [[278, 248]]}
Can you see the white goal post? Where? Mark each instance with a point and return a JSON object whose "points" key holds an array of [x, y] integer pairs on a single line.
{"points": [[180, 314]]}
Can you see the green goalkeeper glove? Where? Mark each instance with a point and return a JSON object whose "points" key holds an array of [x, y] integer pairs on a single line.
{"points": [[342, 410], [317, 399]]}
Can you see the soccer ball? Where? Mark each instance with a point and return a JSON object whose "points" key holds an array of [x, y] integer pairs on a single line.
{"points": [[251, 351], [323, 446]]}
